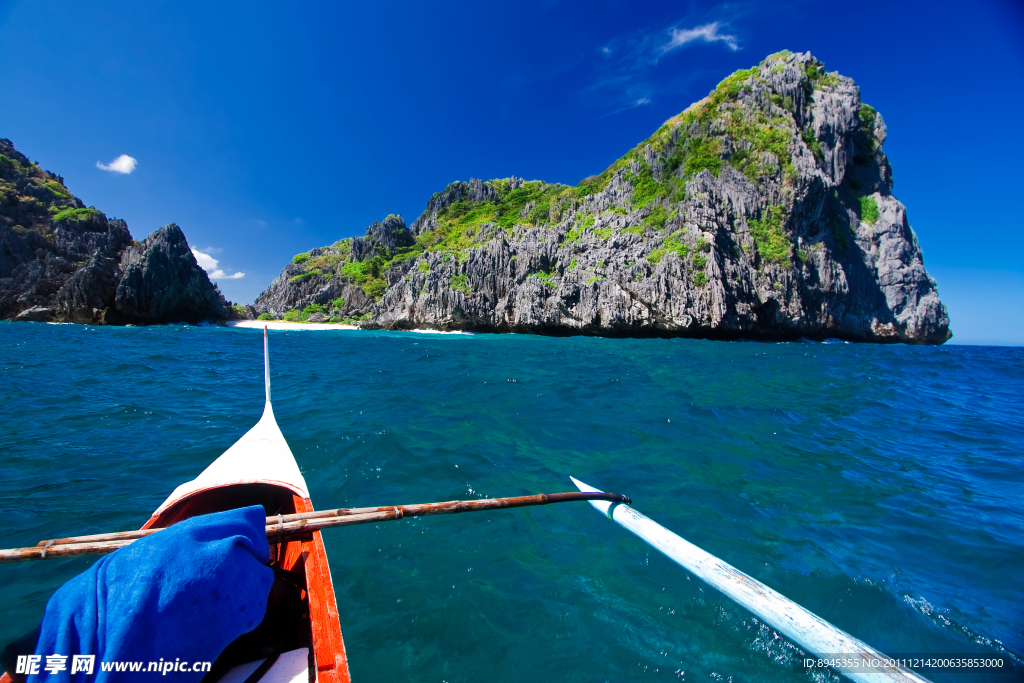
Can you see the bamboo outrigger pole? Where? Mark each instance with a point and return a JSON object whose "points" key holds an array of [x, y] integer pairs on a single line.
{"points": [[289, 526]]}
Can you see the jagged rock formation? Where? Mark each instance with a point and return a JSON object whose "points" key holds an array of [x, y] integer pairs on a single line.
{"points": [[341, 281], [763, 211], [162, 282], [63, 262]]}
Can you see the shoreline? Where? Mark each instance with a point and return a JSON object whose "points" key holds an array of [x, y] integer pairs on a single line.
{"points": [[282, 325]]}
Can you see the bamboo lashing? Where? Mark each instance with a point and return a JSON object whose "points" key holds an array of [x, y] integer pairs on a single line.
{"points": [[289, 526]]}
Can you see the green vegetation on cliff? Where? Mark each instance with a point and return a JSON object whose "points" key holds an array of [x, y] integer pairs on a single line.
{"points": [[672, 245], [460, 283], [868, 209], [297, 316], [71, 215], [34, 200], [770, 238], [584, 222], [368, 274], [460, 224], [714, 131]]}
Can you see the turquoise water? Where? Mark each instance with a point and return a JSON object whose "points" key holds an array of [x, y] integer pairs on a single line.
{"points": [[878, 486]]}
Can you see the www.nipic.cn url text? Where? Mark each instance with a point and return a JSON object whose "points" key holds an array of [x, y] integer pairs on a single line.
{"points": [[53, 664]]}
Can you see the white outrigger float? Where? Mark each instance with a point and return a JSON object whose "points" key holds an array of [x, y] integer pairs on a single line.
{"points": [[812, 633]]}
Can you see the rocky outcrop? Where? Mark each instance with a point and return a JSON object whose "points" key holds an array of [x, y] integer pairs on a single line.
{"points": [[387, 237], [474, 192], [161, 281], [763, 211], [61, 261], [345, 279], [88, 295]]}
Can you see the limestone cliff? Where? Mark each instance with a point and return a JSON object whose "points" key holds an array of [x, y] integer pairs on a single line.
{"points": [[763, 211], [64, 262]]}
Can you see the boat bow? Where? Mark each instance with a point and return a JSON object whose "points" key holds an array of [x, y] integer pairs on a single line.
{"points": [[261, 456]]}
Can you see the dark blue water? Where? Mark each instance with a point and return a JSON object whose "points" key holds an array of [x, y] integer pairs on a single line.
{"points": [[882, 487]]}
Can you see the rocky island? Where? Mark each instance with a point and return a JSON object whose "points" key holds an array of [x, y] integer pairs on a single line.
{"points": [[61, 261], [763, 211]]}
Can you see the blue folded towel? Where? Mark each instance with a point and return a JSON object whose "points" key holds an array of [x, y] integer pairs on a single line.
{"points": [[183, 593]]}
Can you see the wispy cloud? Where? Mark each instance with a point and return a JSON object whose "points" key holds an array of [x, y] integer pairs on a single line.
{"points": [[707, 33], [209, 264], [123, 164], [626, 74]]}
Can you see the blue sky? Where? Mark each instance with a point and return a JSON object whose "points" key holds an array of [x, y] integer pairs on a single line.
{"points": [[264, 132]]}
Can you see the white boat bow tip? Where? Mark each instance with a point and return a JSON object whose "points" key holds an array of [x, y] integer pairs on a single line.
{"points": [[261, 456]]}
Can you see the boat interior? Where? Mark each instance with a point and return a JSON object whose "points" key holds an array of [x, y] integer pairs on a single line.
{"points": [[281, 649]]}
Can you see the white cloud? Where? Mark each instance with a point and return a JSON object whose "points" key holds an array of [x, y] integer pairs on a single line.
{"points": [[707, 33], [221, 275], [209, 264], [205, 261], [123, 164], [625, 75]]}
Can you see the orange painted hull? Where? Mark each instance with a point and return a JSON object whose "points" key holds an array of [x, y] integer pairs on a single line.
{"points": [[328, 645]]}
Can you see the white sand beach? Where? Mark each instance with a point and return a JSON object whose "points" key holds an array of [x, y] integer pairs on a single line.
{"points": [[282, 325]]}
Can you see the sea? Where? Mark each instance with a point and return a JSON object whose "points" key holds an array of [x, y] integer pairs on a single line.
{"points": [[880, 487]]}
